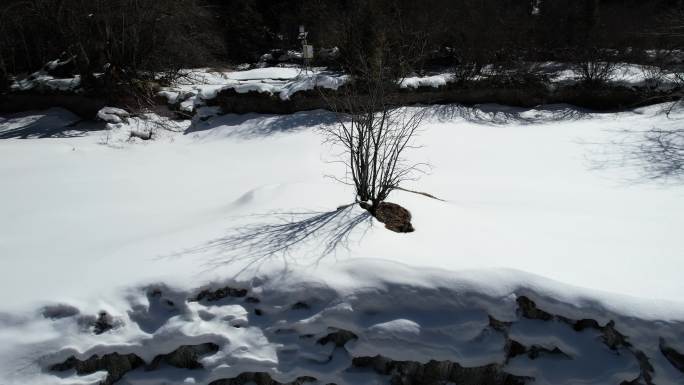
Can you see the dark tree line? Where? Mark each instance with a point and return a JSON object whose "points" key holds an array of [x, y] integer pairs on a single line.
{"points": [[132, 36], [474, 30], [124, 42]]}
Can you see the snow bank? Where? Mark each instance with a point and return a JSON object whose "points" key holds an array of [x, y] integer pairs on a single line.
{"points": [[113, 115], [121, 128], [434, 81], [198, 86], [293, 324], [626, 74]]}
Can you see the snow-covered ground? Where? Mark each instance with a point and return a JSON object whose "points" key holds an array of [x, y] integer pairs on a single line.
{"points": [[135, 229]]}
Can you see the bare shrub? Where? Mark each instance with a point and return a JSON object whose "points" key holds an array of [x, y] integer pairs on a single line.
{"points": [[595, 72], [374, 146], [373, 133]]}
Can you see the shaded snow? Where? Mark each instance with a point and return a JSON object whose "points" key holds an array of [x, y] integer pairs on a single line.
{"points": [[397, 311], [42, 82]]}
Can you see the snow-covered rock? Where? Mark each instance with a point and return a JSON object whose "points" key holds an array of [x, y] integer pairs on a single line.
{"points": [[113, 115], [198, 86]]}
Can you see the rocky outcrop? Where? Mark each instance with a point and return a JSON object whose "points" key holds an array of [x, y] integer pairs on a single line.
{"points": [[339, 338], [117, 365], [395, 217], [185, 357], [437, 372], [519, 358], [610, 336], [260, 379], [674, 357], [218, 294]]}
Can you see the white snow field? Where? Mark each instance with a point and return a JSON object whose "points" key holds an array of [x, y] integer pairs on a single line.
{"points": [[110, 245]]}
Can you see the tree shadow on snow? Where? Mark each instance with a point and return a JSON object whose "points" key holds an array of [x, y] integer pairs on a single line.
{"points": [[308, 235], [652, 155], [252, 125], [51, 123], [496, 114]]}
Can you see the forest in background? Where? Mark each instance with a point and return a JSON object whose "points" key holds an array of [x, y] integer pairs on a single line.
{"points": [[127, 40]]}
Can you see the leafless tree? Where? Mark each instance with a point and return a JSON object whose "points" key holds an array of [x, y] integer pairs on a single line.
{"points": [[374, 137], [373, 132]]}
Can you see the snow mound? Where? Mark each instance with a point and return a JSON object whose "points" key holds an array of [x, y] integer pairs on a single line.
{"points": [[113, 115], [123, 128], [434, 81]]}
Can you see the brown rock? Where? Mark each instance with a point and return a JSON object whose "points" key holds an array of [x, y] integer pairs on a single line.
{"points": [[395, 217]]}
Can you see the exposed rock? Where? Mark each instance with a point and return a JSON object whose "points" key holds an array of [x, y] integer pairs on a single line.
{"points": [[674, 357], [395, 217], [438, 372], [613, 338], [610, 336], [586, 324], [536, 351], [259, 379], [215, 295], [499, 326], [115, 364], [645, 367], [186, 357], [514, 348], [529, 309], [339, 338]]}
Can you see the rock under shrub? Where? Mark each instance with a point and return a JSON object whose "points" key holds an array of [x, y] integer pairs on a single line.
{"points": [[395, 217]]}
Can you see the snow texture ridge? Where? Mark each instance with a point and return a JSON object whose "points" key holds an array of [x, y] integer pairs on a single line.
{"points": [[359, 328]]}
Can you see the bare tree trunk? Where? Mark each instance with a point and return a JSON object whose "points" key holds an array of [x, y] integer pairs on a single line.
{"points": [[4, 76]]}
